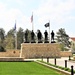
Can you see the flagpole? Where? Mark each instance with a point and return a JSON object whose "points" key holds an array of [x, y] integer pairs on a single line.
{"points": [[16, 41], [15, 37], [49, 31], [21, 51], [32, 22]]}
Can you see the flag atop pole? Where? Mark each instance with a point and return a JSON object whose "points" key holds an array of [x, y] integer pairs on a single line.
{"points": [[32, 18], [15, 26], [32, 21], [47, 25]]}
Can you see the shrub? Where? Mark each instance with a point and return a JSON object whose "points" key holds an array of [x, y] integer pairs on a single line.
{"points": [[60, 67], [74, 71], [2, 49], [69, 70], [66, 69]]}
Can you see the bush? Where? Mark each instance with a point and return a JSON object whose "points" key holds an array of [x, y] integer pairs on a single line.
{"points": [[2, 49], [69, 70], [60, 67], [66, 69], [74, 71]]}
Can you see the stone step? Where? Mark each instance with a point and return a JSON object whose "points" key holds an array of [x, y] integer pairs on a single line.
{"points": [[11, 59]]}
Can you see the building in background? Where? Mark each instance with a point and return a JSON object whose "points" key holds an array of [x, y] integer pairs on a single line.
{"points": [[72, 40]]}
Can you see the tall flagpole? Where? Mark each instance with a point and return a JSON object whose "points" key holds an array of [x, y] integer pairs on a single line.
{"points": [[16, 41], [49, 32], [15, 36]]}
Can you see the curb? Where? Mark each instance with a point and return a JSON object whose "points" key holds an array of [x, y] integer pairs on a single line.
{"points": [[65, 72]]}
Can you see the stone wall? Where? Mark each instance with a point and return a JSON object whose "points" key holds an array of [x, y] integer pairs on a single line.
{"points": [[10, 53], [65, 53], [11, 59], [38, 50]]}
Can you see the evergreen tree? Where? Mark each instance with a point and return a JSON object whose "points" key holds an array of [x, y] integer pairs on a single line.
{"points": [[63, 37], [10, 39], [2, 35], [20, 37], [2, 38]]}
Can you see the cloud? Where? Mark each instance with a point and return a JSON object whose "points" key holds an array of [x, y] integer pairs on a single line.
{"points": [[8, 17], [57, 11]]}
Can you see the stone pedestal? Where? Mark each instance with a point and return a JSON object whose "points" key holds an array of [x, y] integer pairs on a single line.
{"points": [[39, 50]]}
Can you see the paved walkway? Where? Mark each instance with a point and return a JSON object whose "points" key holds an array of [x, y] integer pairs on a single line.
{"points": [[61, 62]]}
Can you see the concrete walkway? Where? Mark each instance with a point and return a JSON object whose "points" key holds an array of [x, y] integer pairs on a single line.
{"points": [[61, 62]]}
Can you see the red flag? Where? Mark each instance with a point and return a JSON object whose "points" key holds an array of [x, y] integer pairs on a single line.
{"points": [[32, 18]]}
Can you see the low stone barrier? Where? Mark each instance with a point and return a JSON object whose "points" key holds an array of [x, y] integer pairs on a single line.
{"points": [[10, 53], [11, 59], [65, 53]]}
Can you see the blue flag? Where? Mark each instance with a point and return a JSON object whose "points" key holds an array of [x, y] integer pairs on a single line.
{"points": [[15, 27]]}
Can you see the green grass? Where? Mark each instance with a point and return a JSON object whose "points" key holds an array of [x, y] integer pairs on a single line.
{"points": [[25, 68]]}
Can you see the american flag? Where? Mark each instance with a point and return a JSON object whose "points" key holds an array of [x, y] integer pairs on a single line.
{"points": [[32, 18]]}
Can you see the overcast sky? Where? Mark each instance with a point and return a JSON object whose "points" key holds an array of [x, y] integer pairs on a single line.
{"points": [[61, 14]]}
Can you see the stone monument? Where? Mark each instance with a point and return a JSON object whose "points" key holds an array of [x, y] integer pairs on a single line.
{"points": [[39, 36], [26, 37], [46, 36], [32, 37], [52, 37]]}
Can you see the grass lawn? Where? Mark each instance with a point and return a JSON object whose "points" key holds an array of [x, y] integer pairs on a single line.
{"points": [[25, 68]]}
